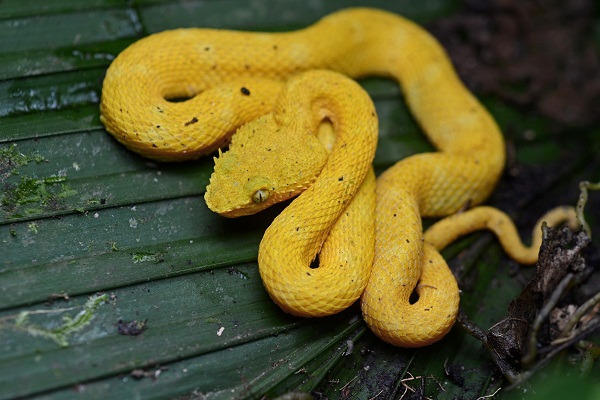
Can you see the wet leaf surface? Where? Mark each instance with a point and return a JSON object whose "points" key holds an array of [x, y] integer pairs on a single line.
{"points": [[96, 241]]}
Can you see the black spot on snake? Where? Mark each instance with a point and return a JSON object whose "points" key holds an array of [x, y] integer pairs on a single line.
{"points": [[191, 121]]}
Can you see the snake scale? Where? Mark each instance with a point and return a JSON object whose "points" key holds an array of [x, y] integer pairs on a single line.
{"points": [[302, 126]]}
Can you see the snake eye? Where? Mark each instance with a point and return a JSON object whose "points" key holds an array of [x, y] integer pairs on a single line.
{"points": [[260, 196]]}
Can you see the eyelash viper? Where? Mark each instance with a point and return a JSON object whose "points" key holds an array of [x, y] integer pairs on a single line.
{"points": [[229, 78]]}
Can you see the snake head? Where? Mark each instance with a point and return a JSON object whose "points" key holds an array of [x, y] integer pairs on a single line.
{"points": [[265, 164]]}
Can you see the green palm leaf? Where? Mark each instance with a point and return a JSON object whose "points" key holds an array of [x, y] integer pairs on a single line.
{"points": [[117, 282]]}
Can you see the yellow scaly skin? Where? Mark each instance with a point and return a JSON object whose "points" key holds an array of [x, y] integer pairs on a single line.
{"points": [[292, 135], [239, 76]]}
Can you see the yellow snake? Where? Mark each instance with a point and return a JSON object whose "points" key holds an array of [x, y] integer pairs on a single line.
{"points": [[230, 78]]}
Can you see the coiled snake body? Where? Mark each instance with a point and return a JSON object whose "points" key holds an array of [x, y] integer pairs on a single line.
{"points": [[231, 78]]}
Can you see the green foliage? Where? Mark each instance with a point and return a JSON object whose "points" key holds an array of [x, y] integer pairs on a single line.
{"points": [[91, 234]]}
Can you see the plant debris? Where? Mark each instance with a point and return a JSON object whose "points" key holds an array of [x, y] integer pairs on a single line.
{"points": [[141, 374], [550, 314], [45, 321], [131, 328], [29, 195], [539, 54]]}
